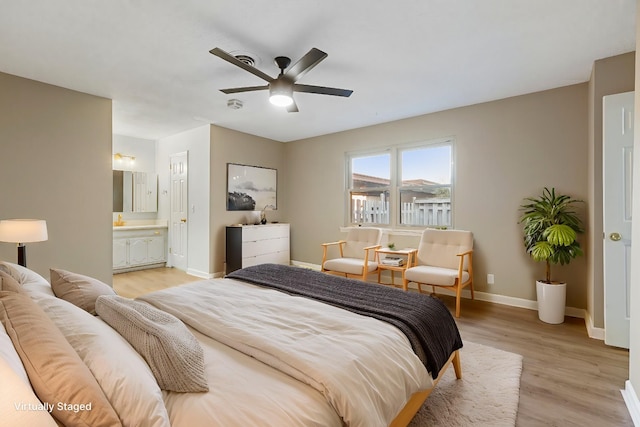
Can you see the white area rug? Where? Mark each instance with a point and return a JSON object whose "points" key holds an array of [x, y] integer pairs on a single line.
{"points": [[487, 394]]}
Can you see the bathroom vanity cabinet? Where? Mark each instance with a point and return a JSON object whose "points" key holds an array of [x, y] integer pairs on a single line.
{"points": [[138, 247]]}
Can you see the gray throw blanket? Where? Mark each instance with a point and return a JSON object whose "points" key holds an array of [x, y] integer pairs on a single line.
{"points": [[425, 320]]}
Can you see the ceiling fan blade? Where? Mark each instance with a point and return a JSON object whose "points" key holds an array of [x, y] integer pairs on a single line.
{"points": [[244, 89], [293, 108], [235, 61], [306, 63], [322, 90]]}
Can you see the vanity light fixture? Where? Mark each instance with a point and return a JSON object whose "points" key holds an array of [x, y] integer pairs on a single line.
{"points": [[120, 157]]}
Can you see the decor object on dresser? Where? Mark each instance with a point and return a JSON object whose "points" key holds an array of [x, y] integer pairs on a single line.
{"points": [[251, 187], [357, 253], [444, 259], [551, 226], [248, 245], [263, 214], [23, 231]]}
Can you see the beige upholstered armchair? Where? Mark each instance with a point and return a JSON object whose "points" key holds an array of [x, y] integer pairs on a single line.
{"points": [[357, 253], [444, 260]]}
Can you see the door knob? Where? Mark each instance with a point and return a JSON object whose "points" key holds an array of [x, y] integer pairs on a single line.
{"points": [[615, 236], [183, 220]]}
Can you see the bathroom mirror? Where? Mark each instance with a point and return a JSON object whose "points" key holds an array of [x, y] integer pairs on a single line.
{"points": [[135, 191]]}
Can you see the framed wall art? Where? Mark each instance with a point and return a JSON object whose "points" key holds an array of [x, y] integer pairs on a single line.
{"points": [[251, 188]]}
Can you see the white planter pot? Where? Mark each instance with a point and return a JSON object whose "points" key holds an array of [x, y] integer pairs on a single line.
{"points": [[551, 301]]}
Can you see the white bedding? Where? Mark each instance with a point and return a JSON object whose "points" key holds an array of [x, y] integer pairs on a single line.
{"points": [[364, 368], [245, 392], [362, 371]]}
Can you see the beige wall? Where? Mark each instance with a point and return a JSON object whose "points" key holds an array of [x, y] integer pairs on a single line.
{"points": [[229, 146], [504, 151], [56, 165], [608, 76]]}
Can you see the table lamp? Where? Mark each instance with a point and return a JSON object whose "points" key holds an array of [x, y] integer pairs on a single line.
{"points": [[23, 231]]}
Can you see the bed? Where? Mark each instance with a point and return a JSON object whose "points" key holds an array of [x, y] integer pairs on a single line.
{"points": [[275, 345]]}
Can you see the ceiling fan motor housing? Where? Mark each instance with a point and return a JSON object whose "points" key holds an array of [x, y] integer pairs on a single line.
{"points": [[282, 62]]}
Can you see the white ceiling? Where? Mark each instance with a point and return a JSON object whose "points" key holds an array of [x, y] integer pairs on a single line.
{"points": [[401, 58]]}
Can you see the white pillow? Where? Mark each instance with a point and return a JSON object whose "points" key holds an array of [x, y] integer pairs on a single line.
{"points": [[121, 372], [13, 391], [30, 281], [9, 355]]}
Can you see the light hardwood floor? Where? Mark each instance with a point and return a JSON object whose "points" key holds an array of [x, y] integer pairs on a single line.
{"points": [[568, 379]]}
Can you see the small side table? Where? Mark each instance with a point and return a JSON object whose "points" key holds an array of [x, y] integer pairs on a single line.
{"points": [[407, 254]]}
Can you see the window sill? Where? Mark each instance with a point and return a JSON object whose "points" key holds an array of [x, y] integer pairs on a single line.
{"points": [[392, 231]]}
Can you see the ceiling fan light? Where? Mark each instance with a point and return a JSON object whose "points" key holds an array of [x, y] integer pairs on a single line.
{"points": [[280, 100]]}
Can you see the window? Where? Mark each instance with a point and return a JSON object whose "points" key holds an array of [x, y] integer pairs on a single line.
{"points": [[370, 184], [425, 186], [406, 185]]}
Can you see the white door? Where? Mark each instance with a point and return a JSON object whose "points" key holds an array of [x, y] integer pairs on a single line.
{"points": [[617, 192], [179, 208]]}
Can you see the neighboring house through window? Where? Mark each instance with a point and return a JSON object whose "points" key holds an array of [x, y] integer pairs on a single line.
{"points": [[403, 185]]}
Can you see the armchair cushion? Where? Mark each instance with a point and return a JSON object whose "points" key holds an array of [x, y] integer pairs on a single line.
{"points": [[360, 238], [440, 248], [349, 265], [434, 275]]}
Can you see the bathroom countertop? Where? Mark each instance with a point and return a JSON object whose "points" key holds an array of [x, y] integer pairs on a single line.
{"points": [[138, 227], [141, 225]]}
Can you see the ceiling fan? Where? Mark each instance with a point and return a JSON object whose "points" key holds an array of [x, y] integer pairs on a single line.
{"points": [[282, 87]]}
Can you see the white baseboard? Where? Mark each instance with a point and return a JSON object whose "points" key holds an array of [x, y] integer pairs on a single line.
{"points": [[201, 274], [631, 400], [306, 265], [595, 333], [484, 296], [511, 301]]}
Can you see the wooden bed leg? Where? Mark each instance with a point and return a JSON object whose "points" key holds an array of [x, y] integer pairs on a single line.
{"points": [[456, 364], [414, 404]]}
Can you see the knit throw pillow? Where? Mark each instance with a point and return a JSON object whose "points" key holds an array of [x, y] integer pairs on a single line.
{"points": [[172, 352]]}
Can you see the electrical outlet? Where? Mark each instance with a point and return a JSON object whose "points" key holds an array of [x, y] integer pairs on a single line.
{"points": [[490, 279]]}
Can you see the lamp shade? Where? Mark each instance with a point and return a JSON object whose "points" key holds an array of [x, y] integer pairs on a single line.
{"points": [[23, 230]]}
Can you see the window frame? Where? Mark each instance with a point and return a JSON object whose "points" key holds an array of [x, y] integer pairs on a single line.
{"points": [[395, 183]]}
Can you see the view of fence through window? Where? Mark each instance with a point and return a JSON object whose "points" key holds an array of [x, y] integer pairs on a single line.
{"points": [[420, 187]]}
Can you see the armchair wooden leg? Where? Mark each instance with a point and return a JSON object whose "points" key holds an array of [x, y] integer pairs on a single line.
{"points": [[458, 295], [456, 365], [471, 285]]}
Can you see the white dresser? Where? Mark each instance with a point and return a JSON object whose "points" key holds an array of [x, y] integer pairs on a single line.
{"points": [[249, 245], [135, 248]]}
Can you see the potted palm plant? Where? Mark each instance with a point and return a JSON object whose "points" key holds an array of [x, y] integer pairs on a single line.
{"points": [[551, 227]]}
